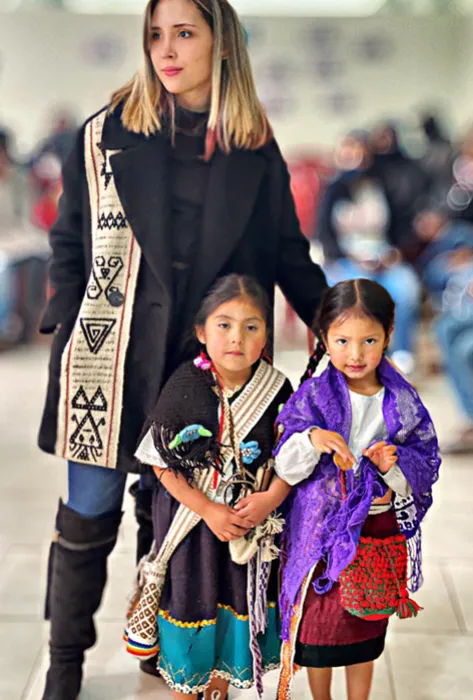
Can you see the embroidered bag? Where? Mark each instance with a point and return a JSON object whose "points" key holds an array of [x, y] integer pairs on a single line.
{"points": [[374, 585]]}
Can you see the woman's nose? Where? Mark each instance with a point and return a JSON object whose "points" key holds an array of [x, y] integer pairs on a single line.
{"points": [[167, 48]]}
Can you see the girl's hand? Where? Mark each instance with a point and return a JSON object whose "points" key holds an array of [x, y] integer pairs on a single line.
{"points": [[327, 442], [383, 456], [255, 508], [225, 523]]}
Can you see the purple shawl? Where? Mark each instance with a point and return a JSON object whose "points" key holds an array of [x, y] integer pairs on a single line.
{"points": [[319, 523]]}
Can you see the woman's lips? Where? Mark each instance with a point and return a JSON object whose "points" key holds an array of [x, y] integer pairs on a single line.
{"points": [[171, 72], [356, 368]]}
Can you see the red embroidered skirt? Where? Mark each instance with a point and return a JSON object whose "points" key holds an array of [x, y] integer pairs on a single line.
{"points": [[328, 635]]}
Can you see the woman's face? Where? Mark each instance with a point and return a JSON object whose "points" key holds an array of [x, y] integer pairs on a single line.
{"points": [[181, 48]]}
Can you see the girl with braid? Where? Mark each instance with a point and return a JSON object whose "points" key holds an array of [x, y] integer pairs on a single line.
{"points": [[214, 620], [360, 450]]}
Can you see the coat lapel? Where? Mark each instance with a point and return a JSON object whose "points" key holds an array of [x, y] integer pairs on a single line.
{"points": [[233, 187], [140, 172], [141, 177]]}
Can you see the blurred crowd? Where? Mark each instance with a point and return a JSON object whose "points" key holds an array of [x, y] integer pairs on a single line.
{"points": [[371, 209], [30, 188], [407, 223]]}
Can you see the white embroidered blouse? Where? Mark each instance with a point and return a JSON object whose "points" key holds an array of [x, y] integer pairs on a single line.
{"points": [[298, 458]]}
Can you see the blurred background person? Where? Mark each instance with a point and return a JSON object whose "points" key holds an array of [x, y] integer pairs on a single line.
{"points": [[460, 194], [446, 266], [360, 238], [60, 139], [404, 183], [438, 157]]}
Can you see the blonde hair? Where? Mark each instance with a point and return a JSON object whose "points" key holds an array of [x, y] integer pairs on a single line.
{"points": [[237, 118]]}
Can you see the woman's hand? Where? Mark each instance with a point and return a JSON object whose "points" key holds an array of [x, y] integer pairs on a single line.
{"points": [[327, 442], [225, 523], [256, 507], [383, 456]]}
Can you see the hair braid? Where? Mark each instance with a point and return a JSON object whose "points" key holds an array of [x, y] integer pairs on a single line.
{"points": [[228, 417], [314, 361]]}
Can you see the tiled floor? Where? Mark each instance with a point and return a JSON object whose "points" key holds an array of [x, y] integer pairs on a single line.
{"points": [[430, 658]]}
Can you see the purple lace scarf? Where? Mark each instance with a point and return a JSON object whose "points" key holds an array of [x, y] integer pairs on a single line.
{"points": [[319, 523]]}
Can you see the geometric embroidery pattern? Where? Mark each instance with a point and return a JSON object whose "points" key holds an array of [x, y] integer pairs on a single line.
{"points": [[105, 272], [93, 361], [96, 332], [85, 442], [106, 171], [110, 221]]}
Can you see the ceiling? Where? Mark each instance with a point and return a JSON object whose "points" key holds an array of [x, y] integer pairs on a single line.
{"points": [[261, 8]]}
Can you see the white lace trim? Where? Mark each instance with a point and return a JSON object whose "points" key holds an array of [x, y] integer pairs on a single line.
{"points": [[236, 682]]}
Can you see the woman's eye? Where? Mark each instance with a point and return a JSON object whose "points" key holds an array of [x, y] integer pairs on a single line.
{"points": [[252, 328], [224, 325], [155, 36], [371, 341], [184, 34], [341, 341]]}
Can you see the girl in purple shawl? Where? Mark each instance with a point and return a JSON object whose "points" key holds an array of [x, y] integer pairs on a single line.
{"points": [[360, 449]]}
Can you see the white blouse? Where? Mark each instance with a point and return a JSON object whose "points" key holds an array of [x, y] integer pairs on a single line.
{"points": [[148, 454], [298, 458]]}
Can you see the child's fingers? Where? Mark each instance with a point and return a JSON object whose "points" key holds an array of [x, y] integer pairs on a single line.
{"points": [[243, 503], [240, 522], [374, 448], [344, 453]]}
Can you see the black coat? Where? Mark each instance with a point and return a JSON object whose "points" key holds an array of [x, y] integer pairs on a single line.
{"points": [[249, 227]]}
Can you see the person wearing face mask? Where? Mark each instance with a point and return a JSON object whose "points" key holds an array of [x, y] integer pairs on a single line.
{"points": [[357, 231], [178, 182], [446, 266]]}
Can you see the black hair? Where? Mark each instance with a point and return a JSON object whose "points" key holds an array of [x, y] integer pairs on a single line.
{"points": [[233, 287], [362, 296]]}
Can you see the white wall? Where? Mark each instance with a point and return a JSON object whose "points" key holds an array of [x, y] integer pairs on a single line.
{"points": [[463, 83], [48, 58]]}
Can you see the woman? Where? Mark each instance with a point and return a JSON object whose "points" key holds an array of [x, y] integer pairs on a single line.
{"points": [[146, 226]]}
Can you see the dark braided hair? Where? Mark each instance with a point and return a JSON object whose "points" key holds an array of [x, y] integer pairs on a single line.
{"points": [[233, 287], [362, 296]]}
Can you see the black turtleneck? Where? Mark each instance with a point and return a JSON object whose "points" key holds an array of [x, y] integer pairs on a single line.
{"points": [[188, 185]]}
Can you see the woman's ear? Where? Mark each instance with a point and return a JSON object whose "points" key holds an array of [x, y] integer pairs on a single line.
{"points": [[200, 334]]}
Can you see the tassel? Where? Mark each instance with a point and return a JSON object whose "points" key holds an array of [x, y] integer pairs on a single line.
{"points": [[407, 607], [270, 551], [273, 525]]}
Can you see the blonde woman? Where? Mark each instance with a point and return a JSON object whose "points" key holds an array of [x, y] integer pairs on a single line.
{"points": [[176, 183]]}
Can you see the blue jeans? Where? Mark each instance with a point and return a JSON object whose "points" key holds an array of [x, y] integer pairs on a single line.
{"points": [[403, 285], [95, 492], [456, 340]]}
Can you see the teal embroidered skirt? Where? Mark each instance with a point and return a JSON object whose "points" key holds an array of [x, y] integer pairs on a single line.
{"points": [[203, 619]]}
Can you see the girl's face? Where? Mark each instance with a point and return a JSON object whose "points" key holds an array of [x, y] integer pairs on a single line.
{"points": [[181, 45], [356, 345], [235, 336]]}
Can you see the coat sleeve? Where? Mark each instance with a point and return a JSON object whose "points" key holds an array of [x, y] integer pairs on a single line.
{"points": [[302, 281], [68, 269]]}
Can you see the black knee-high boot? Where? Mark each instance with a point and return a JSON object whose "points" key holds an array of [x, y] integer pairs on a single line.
{"points": [[77, 577]]}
